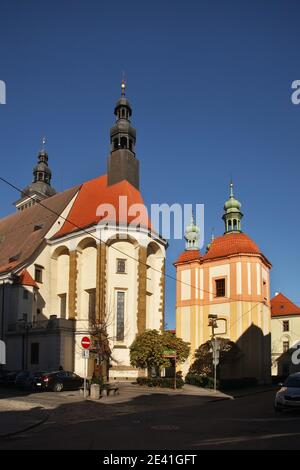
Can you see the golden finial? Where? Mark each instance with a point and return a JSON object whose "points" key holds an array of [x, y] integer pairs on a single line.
{"points": [[123, 84]]}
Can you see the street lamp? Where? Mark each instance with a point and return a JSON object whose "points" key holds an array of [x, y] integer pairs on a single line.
{"points": [[213, 323]]}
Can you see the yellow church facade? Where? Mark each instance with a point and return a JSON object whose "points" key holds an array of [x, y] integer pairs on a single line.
{"points": [[232, 282]]}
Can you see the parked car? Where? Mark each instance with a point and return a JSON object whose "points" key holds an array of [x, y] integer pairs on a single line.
{"points": [[289, 394], [27, 379], [8, 377], [58, 381]]}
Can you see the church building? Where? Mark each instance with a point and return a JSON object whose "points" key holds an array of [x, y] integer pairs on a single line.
{"points": [[230, 282], [67, 262]]}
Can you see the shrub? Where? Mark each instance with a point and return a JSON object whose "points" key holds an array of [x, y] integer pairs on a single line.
{"points": [[161, 382], [200, 380]]}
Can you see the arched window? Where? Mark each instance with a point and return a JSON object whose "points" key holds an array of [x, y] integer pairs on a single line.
{"points": [[116, 144], [229, 225], [123, 142], [130, 144], [234, 224], [123, 112]]}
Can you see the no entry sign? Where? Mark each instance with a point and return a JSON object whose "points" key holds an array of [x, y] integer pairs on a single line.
{"points": [[85, 342]]}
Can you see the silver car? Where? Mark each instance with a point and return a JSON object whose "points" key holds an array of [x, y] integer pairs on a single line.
{"points": [[289, 394]]}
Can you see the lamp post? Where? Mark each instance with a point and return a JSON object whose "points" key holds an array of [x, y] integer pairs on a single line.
{"points": [[212, 322]]}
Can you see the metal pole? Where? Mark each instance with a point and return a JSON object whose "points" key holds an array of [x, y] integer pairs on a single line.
{"points": [[84, 384], [2, 311], [215, 377], [175, 372]]}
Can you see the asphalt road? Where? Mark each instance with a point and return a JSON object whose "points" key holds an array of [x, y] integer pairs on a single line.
{"points": [[162, 422]]}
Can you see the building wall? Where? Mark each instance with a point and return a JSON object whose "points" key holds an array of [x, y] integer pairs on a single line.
{"points": [[281, 362], [69, 266]]}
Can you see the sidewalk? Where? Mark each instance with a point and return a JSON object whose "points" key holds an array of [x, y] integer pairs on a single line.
{"points": [[130, 391], [244, 392]]}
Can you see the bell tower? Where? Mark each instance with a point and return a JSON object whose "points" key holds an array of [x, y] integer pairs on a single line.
{"points": [[122, 162]]}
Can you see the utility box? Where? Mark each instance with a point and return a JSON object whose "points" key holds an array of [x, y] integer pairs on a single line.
{"points": [[95, 392]]}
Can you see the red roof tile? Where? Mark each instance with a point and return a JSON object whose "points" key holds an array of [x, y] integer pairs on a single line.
{"points": [[188, 256], [282, 306], [232, 244], [25, 279], [95, 192]]}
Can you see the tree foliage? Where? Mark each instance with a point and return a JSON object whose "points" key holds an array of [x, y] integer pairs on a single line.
{"points": [[148, 350], [229, 353]]}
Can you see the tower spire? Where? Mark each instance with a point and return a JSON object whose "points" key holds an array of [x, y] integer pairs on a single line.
{"points": [[232, 215], [122, 163], [123, 85], [191, 235], [40, 188]]}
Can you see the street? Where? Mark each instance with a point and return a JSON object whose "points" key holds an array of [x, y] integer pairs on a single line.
{"points": [[157, 421]]}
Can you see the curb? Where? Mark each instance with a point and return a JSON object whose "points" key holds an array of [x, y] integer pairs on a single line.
{"points": [[28, 428], [254, 393]]}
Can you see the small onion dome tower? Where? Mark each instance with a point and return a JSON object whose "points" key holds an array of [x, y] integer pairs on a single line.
{"points": [[122, 163], [192, 236], [40, 188], [233, 215]]}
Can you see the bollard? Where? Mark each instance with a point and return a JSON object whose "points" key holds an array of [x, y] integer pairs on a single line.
{"points": [[95, 392]]}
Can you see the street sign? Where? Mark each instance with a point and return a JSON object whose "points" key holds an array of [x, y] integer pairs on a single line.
{"points": [[169, 353], [85, 353], [85, 342]]}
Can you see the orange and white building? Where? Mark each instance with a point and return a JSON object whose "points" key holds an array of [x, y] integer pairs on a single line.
{"points": [[232, 281]]}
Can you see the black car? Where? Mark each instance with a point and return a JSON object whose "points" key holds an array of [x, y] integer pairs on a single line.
{"points": [[8, 377], [21, 379], [58, 381]]}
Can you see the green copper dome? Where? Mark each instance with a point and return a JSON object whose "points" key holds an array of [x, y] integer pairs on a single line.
{"points": [[192, 235], [232, 204], [232, 215]]}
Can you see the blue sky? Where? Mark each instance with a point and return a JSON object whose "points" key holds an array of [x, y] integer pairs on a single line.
{"points": [[210, 86]]}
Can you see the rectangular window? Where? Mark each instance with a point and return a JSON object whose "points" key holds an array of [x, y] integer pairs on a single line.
{"points": [[121, 266], [92, 304], [220, 287], [285, 325], [38, 273], [34, 356], [63, 305], [120, 315], [285, 346]]}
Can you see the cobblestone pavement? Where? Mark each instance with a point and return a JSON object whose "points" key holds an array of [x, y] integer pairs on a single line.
{"points": [[20, 411]]}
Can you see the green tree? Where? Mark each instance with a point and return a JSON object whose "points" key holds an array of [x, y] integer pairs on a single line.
{"points": [[148, 350], [229, 353]]}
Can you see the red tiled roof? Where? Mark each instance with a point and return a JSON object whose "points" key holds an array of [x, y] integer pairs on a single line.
{"points": [[282, 306], [95, 192], [24, 231], [232, 244], [25, 279], [188, 256]]}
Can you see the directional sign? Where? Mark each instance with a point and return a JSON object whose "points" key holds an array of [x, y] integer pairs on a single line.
{"points": [[85, 342], [85, 353]]}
